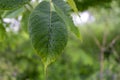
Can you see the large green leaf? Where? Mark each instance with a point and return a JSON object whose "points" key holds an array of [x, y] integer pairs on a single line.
{"points": [[10, 4], [63, 11], [48, 32]]}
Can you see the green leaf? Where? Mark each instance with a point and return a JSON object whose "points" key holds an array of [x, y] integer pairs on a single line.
{"points": [[63, 13], [48, 32], [13, 13], [11, 4], [2, 33], [73, 5], [1, 12], [65, 7], [24, 21]]}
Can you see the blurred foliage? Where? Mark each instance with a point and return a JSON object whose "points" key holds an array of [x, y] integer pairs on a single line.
{"points": [[86, 4], [79, 61]]}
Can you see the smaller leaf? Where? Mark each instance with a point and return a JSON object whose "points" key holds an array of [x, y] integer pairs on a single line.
{"points": [[1, 12], [13, 13], [24, 21], [73, 5], [2, 33], [11, 4]]}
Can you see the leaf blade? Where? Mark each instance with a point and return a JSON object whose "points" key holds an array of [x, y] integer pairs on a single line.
{"points": [[11, 4], [62, 12], [49, 37], [2, 33], [73, 5]]}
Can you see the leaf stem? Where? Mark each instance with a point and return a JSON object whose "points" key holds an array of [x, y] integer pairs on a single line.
{"points": [[45, 71], [30, 5]]}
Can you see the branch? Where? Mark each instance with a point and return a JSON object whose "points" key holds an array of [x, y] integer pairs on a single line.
{"points": [[105, 34], [112, 43], [94, 38]]}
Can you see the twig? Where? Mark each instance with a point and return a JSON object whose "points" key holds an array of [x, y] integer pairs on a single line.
{"points": [[112, 43], [95, 38], [30, 6], [27, 8]]}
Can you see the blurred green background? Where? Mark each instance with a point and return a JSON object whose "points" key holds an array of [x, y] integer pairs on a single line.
{"points": [[79, 61]]}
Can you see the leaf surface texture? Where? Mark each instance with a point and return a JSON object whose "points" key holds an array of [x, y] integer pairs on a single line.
{"points": [[48, 32]]}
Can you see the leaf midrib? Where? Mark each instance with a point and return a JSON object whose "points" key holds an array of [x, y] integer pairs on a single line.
{"points": [[50, 25]]}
